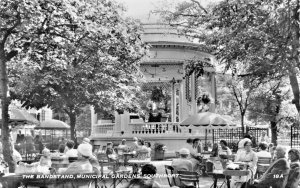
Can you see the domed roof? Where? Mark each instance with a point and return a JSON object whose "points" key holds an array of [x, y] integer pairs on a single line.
{"points": [[162, 33]]}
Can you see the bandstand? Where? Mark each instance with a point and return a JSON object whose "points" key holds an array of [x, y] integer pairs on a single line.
{"points": [[170, 53]]}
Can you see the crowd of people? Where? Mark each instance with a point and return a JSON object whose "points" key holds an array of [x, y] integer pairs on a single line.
{"points": [[284, 167], [138, 148], [285, 163]]}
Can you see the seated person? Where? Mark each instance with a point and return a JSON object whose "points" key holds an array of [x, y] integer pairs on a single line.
{"points": [[241, 145], [263, 150], [197, 147], [279, 168], [82, 165], [42, 166], [214, 151], [143, 151], [148, 173], [182, 164], [189, 145], [123, 147], [110, 152], [248, 156], [86, 141], [148, 145], [71, 151], [45, 160], [224, 149], [294, 175], [138, 183], [135, 144]]}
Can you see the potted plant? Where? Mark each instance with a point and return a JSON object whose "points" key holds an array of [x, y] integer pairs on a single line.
{"points": [[159, 151]]}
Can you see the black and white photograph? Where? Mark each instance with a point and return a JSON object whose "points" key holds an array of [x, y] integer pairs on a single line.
{"points": [[150, 93]]}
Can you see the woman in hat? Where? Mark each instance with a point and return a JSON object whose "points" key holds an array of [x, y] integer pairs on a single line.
{"points": [[82, 165]]}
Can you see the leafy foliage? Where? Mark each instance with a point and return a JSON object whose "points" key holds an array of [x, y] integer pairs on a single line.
{"points": [[85, 54], [262, 35]]}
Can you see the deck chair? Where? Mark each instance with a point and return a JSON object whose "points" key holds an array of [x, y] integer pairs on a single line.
{"points": [[262, 165], [187, 178], [169, 171]]}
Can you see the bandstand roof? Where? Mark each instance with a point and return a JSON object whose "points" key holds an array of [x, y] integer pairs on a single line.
{"points": [[169, 52]]}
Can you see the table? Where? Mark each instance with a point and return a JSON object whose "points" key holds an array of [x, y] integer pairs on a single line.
{"points": [[217, 174], [137, 163]]}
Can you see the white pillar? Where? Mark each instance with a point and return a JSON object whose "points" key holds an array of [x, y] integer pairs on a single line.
{"points": [[173, 103], [213, 92], [125, 120], [193, 94]]}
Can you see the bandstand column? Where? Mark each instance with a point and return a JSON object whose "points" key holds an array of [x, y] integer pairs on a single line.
{"points": [[173, 103], [193, 94], [183, 107], [213, 92]]}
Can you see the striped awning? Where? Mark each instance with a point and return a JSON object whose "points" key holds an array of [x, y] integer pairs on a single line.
{"points": [[208, 120]]}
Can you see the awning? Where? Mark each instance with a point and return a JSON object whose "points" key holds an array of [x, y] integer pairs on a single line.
{"points": [[53, 124], [208, 120], [19, 116]]}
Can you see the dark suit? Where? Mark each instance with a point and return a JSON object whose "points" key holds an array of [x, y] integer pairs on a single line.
{"points": [[294, 176], [276, 175]]}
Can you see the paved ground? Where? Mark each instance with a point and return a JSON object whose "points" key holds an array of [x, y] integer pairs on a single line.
{"points": [[205, 182]]}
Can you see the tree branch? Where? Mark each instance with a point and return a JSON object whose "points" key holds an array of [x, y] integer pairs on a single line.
{"points": [[200, 6]]}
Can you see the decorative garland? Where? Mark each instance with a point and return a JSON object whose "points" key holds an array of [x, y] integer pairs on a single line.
{"points": [[196, 66]]}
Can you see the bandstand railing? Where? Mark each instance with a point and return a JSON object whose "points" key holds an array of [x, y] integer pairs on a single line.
{"points": [[159, 128]]}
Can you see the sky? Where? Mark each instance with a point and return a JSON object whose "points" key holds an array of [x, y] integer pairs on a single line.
{"points": [[140, 9]]}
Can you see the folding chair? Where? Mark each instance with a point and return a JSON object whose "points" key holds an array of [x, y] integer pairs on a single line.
{"points": [[189, 177], [106, 168], [240, 173], [263, 164], [169, 171]]}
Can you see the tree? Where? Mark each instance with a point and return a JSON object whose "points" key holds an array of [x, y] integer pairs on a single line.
{"points": [[21, 23], [262, 34], [270, 105], [92, 59]]}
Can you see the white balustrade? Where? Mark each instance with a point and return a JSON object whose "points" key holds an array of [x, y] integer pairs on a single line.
{"points": [[159, 128]]}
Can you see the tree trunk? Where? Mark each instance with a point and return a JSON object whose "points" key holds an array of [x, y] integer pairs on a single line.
{"points": [[72, 126], [295, 54], [7, 147], [274, 132], [242, 122], [295, 88]]}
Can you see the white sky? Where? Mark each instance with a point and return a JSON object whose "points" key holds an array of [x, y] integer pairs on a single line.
{"points": [[140, 9]]}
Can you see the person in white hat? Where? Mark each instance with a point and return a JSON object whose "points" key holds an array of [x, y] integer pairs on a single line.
{"points": [[82, 165], [86, 141], [182, 164]]}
